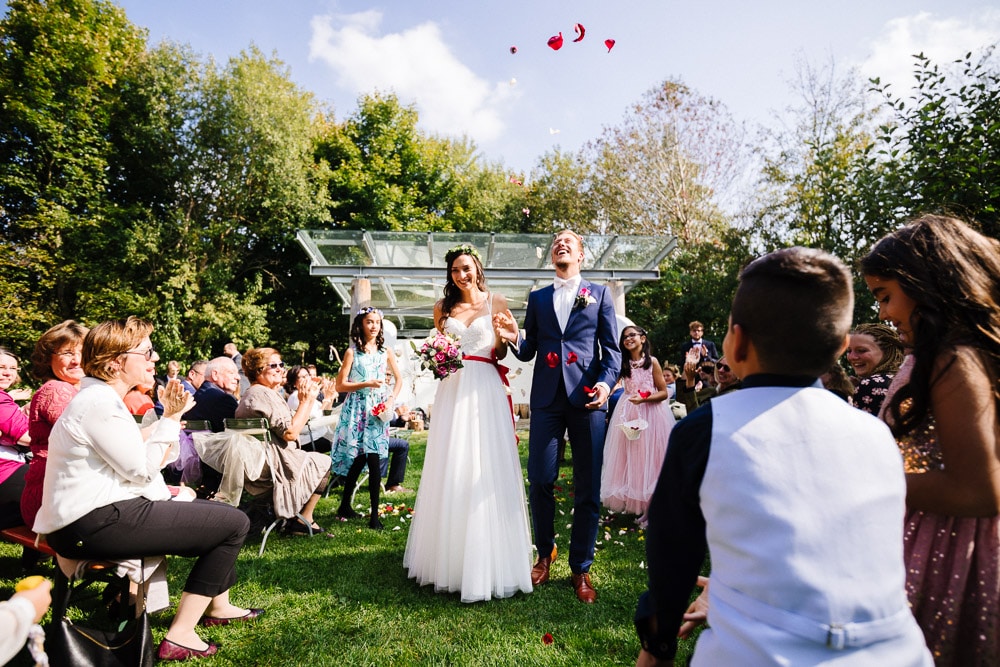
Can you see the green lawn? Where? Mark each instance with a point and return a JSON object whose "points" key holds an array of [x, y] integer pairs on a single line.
{"points": [[344, 599]]}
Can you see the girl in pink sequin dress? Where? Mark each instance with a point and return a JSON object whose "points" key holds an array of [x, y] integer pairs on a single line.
{"points": [[938, 282], [640, 426]]}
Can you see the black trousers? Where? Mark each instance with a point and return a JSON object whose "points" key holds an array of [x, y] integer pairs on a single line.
{"points": [[207, 530], [10, 498]]}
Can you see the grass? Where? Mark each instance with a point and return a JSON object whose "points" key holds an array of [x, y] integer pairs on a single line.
{"points": [[344, 599]]}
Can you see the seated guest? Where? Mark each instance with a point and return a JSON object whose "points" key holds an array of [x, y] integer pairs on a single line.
{"points": [[195, 376], [104, 497], [13, 439], [215, 400], [138, 399], [56, 361], [317, 436], [301, 476]]}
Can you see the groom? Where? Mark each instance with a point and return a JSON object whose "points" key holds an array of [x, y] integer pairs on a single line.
{"points": [[571, 327]]}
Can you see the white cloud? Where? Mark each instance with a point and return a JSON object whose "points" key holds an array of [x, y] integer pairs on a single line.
{"points": [[942, 39], [417, 65]]}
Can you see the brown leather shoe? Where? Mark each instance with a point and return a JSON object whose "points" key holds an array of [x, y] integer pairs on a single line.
{"points": [[584, 591], [540, 571]]}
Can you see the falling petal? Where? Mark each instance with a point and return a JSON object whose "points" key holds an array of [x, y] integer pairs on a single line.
{"points": [[556, 42], [580, 30], [513, 82], [610, 43], [526, 211], [553, 131], [513, 50]]}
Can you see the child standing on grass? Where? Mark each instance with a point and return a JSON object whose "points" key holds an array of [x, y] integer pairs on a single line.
{"points": [[362, 437], [797, 496], [637, 438]]}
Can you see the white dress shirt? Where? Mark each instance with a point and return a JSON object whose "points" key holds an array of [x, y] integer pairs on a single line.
{"points": [[563, 297], [97, 457]]}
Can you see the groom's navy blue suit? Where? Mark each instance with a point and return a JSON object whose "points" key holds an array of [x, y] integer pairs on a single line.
{"points": [[567, 361]]}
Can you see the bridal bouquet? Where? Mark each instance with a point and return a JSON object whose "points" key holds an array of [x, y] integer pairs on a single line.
{"points": [[440, 353]]}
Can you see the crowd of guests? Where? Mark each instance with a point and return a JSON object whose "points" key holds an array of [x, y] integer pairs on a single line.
{"points": [[768, 472]]}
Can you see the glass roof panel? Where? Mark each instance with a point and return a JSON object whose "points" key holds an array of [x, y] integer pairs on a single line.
{"points": [[406, 269]]}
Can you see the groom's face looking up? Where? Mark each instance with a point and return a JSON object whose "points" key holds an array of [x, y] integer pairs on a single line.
{"points": [[567, 254]]}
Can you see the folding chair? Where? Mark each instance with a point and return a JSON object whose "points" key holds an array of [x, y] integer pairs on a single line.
{"points": [[259, 429]]}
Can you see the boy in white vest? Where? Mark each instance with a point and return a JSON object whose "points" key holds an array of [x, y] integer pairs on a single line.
{"points": [[797, 496]]}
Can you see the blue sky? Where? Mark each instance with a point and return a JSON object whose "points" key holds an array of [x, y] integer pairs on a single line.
{"points": [[452, 58]]}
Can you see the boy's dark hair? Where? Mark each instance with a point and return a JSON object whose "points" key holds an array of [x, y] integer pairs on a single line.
{"points": [[795, 305]]}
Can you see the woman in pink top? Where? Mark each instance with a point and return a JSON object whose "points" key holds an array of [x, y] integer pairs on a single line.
{"points": [[13, 438], [56, 362]]}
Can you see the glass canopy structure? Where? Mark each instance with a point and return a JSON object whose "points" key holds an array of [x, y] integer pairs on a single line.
{"points": [[406, 270]]}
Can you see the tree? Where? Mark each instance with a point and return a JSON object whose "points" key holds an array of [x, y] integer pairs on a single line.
{"points": [[807, 191], [668, 167], [559, 195], [940, 150], [59, 74]]}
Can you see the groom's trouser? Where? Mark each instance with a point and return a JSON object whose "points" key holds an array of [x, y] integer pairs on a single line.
{"points": [[586, 438]]}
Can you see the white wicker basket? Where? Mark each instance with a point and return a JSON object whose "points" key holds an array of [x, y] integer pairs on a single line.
{"points": [[633, 428]]}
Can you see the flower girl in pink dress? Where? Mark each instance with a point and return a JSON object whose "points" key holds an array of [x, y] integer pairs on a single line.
{"points": [[640, 427]]}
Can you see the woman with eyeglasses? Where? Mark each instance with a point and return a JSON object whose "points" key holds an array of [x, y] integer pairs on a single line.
{"points": [[104, 497], [300, 476], [56, 362], [13, 440]]}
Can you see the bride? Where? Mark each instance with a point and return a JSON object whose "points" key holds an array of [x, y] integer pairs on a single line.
{"points": [[469, 533]]}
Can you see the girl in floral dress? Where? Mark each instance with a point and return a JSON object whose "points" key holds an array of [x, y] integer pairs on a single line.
{"points": [[362, 437], [875, 353], [632, 466], [938, 282]]}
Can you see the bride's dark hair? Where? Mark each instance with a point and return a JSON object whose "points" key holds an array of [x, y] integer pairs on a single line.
{"points": [[452, 294]]}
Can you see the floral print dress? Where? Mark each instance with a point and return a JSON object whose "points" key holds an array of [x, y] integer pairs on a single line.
{"points": [[359, 432]]}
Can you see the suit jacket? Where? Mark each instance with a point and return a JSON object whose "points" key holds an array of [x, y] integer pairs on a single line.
{"points": [[710, 348], [213, 404], [585, 354]]}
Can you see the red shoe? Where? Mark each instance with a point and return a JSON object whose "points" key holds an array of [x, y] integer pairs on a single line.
{"points": [[209, 621], [171, 651]]}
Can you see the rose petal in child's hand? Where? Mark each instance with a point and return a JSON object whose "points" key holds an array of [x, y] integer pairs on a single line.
{"points": [[644, 394]]}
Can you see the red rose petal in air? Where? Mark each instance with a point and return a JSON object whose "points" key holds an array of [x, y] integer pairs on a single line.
{"points": [[610, 43], [571, 358], [580, 30], [552, 359], [513, 50], [547, 638], [555, 42], [588, 390], [644, 394]]}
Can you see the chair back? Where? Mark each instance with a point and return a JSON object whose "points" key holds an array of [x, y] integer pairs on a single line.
{"points": [[256, 427], [197, 425]]}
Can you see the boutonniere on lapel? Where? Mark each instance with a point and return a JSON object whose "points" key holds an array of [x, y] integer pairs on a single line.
{"points": [[583, 298]]}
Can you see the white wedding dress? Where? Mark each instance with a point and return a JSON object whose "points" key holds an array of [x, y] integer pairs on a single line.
{"points": [[469, 533]]}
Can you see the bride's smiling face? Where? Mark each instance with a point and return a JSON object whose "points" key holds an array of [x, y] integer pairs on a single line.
{"points": [[463, 273]]}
